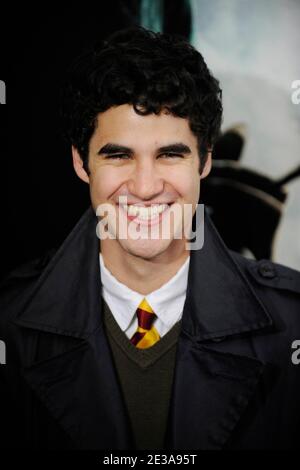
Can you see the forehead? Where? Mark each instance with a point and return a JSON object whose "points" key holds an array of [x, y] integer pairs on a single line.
{"points": [[121, 124]]}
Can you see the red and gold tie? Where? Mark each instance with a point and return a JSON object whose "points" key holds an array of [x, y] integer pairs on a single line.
{"points": [[146, 335]]}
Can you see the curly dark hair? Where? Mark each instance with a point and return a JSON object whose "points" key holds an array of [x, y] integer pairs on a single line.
{"points": [[152, 72]]}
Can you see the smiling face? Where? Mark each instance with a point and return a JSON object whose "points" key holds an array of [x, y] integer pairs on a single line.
{"points": [[154, 161]]}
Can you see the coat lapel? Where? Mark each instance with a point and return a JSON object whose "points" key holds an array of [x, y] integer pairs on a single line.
{"points": [[211, 391], [80, 390], [73, 372]]}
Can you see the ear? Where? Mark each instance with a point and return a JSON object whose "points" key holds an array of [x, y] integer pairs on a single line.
{"points": [[78, 166], [207, 166]]}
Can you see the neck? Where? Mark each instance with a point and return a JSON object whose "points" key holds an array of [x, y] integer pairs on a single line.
{"points": [[139, 274]]}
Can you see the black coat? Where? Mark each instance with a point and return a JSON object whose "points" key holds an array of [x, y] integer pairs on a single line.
{"points": [[235, 385]]}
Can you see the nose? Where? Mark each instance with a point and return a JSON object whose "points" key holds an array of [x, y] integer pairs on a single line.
{"points": [[146, 182]]}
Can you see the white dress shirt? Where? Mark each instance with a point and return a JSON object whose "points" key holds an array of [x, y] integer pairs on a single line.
{"points": [[167, 301]]}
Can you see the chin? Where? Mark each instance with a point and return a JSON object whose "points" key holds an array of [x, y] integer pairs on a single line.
{"points": [[146, 249]]}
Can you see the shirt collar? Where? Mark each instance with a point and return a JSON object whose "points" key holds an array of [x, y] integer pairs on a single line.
{"points": [[167, 301]]}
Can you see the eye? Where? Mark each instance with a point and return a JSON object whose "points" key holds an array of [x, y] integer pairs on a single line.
{"points": [[117, 156], [171, 155]]}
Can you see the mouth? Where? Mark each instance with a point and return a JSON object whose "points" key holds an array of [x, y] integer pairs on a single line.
{"points": [[145, 215]]}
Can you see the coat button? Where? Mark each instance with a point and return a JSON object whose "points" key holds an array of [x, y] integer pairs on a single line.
{"points": [[267, 270], [217, 340]]}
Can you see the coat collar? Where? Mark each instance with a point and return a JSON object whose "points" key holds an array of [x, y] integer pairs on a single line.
{"points": [[220, 301]]}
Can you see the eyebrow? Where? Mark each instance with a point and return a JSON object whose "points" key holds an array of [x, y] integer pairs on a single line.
{"points": [[110, 149], [175, 148]]}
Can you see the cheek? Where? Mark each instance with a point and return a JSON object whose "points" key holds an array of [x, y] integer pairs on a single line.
{"points": [[104, 182], [187, 183]]}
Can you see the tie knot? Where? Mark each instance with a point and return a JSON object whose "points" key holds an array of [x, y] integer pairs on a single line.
{"points": [[145, 315]]}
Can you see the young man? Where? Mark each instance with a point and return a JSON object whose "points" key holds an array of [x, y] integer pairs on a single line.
{"points": [[141, 342]]}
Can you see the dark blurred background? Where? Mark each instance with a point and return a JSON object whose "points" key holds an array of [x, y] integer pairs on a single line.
{"points": [[41, 196]]}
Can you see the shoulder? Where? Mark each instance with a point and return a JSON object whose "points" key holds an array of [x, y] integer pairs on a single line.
{"points": [[267, 274], [29, 270], [272, 282], [277, 287], [15, 287]]}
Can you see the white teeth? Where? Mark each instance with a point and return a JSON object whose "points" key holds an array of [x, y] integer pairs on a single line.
{"points": [[145, 213]]}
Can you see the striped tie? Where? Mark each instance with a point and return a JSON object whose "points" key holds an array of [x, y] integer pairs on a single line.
{"points": [[146, 335]]}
